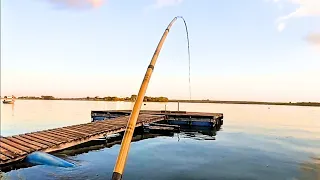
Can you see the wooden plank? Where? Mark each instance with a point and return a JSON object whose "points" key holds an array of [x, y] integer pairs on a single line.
{"points": [[18, 146], [7, 153], [52, 136], [117, 123], [3, 157], [100, 130], [86, 128], [51, 142], [57, 135], [108, 126], [80, 133], [155, 119], [66, 133], [69, 133], [98, 124], [93, 126], [123, 118], [81, 130], [103, 126], [30, 141], [36, 140], [120, 123], [78, 125], [92, 130], [49, 138], [12, 149], [31, 146], [83, 133]]}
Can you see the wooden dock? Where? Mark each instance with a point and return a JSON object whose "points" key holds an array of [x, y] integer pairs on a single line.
{"points": [[16, 148], [171, 117], [104, 123], [109, 114]]}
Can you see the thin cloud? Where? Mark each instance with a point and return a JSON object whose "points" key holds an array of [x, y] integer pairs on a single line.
{"points": [[158, 4], [306, 8], [78, 3], [163, 3], [314, 38]]}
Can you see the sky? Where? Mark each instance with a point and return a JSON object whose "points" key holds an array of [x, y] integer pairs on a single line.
{"points": [[256, 50]]}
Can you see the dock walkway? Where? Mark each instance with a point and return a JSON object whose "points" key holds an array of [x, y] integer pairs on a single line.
{"points": [[15, 148], [104, 123]]}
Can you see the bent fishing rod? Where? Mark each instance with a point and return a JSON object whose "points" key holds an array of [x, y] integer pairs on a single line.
{"points": [[126, 141]]}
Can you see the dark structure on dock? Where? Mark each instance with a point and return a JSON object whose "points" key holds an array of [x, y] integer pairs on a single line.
{"points": [[104, 123]]}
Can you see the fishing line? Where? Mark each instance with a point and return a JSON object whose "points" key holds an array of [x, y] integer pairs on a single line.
{"points": [[185, 24]]}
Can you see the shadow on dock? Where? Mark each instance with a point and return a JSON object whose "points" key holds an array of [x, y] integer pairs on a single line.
{"points": [[195, 133]]}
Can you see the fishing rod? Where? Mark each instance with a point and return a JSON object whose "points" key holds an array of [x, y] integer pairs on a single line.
{"points": [[126, 141]]}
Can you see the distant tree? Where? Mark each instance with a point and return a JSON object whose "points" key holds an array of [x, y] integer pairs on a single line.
{"points": [[155, 99], [47, 97], [114, 98], [133, 97], [163, 99]]}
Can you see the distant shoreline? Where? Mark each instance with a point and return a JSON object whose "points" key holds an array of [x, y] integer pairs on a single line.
{"points": [[163, 99], [314, 104]]}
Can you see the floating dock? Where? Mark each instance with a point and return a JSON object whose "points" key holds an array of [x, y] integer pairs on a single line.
{"points": [[103, 123], [171, 117]]}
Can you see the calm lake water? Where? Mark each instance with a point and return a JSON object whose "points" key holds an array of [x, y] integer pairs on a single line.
{"points": [[255, 142]]}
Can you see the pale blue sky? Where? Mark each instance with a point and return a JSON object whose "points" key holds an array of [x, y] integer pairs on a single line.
{"points": [[240, 49]]}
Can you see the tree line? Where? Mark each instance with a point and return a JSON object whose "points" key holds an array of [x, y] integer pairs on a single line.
{"points": [[133, 98], [97, 98]]}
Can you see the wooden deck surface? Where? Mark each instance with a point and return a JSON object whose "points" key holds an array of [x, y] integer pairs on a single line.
{"points": [[15, 148]]}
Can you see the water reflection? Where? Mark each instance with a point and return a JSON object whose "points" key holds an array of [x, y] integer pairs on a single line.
{"points": [[198, 133], [12, 109], [256, 142], [195, 133], [310, 169]]}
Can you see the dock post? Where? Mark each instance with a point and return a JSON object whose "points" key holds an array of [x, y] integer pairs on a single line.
{"points": [[178, 106]]}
